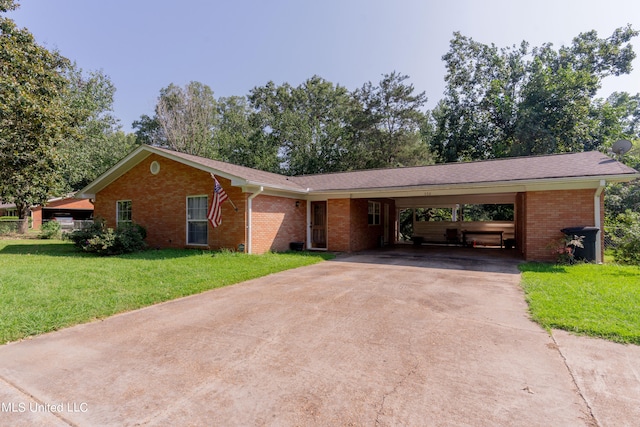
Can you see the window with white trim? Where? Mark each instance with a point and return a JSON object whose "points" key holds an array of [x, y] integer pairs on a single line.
{"points": [[123, 212], [197, 230], [374, 213]]}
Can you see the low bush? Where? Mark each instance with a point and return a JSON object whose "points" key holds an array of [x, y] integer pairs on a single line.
{"points": [[9, 225], [7, 228], [101, 240], [50, 230], [627, 242]]}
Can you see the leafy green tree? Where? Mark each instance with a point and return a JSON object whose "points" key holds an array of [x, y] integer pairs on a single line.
{"points": [[386, 129], [148, 131], [308, 124], [35, 117], [238, 138], [516, 101], [98, 143], [620, 197]]}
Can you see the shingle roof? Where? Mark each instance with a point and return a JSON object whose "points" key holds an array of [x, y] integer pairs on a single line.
{"points": [[252, 175], [557, 167], [574, 165]]}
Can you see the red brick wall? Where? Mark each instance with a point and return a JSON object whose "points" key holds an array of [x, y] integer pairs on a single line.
{"points": [[339, 225], [547, 212], [363, 235], [348, 224], [158, 203], [71, 204], [36, 218], [276, 222]]}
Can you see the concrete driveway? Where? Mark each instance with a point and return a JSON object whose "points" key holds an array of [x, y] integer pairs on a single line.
{"points": [[383, 338]]}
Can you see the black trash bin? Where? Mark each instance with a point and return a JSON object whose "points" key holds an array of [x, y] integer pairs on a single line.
{"points": [[588, 252]]}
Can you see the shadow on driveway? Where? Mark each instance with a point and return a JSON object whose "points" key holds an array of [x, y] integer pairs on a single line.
{"points": [[442, 257]]}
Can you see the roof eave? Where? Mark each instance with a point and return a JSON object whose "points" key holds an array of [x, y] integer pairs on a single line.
{"points": [[142, 152], [481, 187]]}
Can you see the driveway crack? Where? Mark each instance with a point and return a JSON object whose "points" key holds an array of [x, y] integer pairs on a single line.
{"points": [[594, 420], [36, 400], [396, 387]]}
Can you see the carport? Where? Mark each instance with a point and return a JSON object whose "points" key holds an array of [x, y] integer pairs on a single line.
{"points": [[449, 224], [548, 193]]}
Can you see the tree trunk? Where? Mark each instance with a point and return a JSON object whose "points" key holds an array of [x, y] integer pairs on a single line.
{"points": [[23, 217]]}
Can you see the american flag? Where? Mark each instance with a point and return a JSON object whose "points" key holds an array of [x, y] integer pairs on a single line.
{"points": [[215, 211]]}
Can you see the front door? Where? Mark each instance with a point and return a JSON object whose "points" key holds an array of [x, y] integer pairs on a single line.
{"points": [[319, 225]]}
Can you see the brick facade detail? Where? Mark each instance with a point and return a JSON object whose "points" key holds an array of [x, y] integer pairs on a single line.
{"points": [[348, 224], [276, 222], [547, 212], [158, 203]]}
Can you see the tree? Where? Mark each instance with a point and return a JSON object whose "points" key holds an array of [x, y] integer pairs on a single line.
{"points": [[308, 124], [98, 143], [387, 126], [515, 101], [620, 197], [184, 120], [34, 116], [187, 118], [148, 131], [238, 138]]}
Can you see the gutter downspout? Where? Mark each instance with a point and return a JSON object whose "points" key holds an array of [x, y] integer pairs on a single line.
{"points": [[598, 222], [249, 209]]}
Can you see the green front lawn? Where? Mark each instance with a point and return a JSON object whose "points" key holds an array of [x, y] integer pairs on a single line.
{"points": [[597, 300], [48, 285]]}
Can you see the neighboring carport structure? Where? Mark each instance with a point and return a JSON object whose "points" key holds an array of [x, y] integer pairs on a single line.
{"points": [[549, 193]]}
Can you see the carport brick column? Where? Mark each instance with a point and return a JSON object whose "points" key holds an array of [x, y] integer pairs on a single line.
{"points": [[547, 212], [339, 225]]}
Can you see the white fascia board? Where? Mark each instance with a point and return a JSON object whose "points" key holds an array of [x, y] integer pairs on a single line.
{"points": [[276, 193], [287, 191], [479, 188]]}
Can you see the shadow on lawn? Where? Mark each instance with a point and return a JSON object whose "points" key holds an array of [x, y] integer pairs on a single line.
{"points": [[69, 250], [49, 249]]}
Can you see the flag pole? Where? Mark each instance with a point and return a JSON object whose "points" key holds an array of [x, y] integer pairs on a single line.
{"points": [[230, 201]]}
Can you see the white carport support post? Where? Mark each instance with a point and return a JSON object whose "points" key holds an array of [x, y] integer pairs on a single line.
{"points": [[249, 211], [598, 223]]}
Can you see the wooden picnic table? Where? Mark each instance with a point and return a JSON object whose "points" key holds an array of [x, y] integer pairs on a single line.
{"points": [[482, 232]]}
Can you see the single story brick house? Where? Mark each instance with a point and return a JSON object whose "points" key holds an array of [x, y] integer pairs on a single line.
{"points": [[168, 193]]}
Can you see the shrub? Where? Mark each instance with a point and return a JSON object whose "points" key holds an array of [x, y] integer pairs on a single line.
{"points": [[627, 241], [6, 228], [9, 225], [50, 230], [564, 249], [101, 240]]}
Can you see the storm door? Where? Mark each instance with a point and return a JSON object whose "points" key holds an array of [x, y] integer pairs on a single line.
{"points": [[319, 225]]}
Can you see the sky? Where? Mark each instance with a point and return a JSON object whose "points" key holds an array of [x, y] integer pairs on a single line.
{"points": [[234, 46]]}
